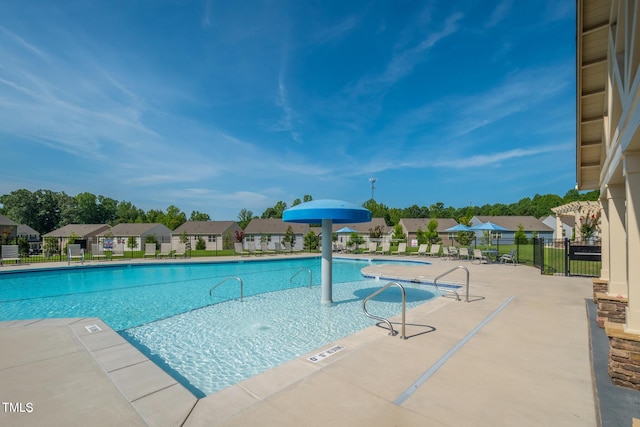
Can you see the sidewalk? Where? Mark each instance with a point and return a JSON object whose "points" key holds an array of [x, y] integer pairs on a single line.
{"points": [[517, 354]]}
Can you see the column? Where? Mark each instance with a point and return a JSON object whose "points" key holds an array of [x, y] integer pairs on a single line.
{"points": [[617, 240], [632, 187], [559, 228], [604, 238], [327, 272]]}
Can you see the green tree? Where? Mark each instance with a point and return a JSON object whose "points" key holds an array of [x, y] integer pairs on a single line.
{"points": [[199, 216], [378, 210], [311, 240], [132, 243], [355, 240], [398, 233], [184, 239], [289, 236], [126, 212], [23, 247], [151, 238], [464, 238], [244, 218], [200, 244], [520, 238], [421, 236], [174, 217], [432, 231], [50, 247]]}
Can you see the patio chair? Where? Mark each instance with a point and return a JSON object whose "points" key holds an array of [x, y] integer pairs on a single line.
{"points": [[97, 252], [289, 248], [240, 250], [445, 253], [373, 247], [264, 248], [278, 247], [165, 250], [10, 253], [422, 249], [479, 256], [464, 252], [149, 250], [402, 249], [434, 251], [453, 252], [386, 248], [74, 251], [510, 257], [252, 249], [118, 251], [180, 251]]}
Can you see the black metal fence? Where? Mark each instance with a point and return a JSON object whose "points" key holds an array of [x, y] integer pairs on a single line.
{"points": [[567, 258]]}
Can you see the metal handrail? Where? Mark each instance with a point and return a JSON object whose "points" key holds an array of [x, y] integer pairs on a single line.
{"points": [[435, 282], [300, 271], [382, 319], [225, 280]]}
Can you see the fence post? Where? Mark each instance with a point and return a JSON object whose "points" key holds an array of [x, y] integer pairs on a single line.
{"points": [[566, 256]]}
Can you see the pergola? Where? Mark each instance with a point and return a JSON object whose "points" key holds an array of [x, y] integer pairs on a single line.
{"points": [[577, 210]]}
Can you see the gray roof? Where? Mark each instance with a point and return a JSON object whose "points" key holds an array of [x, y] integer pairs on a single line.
{"points": [[511, 223], [6, 221], [25, 230], [82, 230], [274, 226], [206, 227], [412, 224], [136, 229], [364, 227]]}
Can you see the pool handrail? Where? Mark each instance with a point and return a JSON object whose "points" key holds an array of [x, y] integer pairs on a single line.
{"points": [[453, 291], [300, 271], [382, 319], [225, 280]]}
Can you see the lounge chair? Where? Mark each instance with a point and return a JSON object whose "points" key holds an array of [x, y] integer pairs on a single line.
{"points": [[278, 247], [149, 250], [445, 253], [373, 247], [386, 248], [464, 252], [402, 249], [10, 253], [240, 250], [422, 249], [74, 251], [165, 250], [264, 248], [510, 257], [97, 252], [453, 252], [434, 250], [253, 250], [479, 256], [118, 251], [288, 248], [180, 251]]}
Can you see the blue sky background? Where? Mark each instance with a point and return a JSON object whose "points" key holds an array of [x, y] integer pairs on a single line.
{"points": [[216, 106]]}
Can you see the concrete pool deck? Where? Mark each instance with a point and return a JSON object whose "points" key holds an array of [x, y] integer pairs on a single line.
{"points": [[517, 354]]}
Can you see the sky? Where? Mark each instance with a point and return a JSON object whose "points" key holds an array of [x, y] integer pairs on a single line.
{"points": [[217, 106]]}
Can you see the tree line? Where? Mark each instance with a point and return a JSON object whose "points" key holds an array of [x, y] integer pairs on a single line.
{"points": [[46, 210]]}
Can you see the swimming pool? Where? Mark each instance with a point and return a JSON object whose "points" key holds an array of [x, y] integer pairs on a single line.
{"points": [[209, 343]]}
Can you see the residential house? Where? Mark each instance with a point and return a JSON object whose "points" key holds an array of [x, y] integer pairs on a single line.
{"points": [[31, 236], [217, 235], [532, 226], [567, 224], [364, 230], [410, 228], [269, 230], [86, 234], [120, 234], [8, 229]]}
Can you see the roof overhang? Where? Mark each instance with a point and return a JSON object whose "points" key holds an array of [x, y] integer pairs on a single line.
{"points": [[592, 42]]}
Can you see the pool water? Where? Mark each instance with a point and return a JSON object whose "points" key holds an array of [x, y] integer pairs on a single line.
{"points": [[210, 342]]}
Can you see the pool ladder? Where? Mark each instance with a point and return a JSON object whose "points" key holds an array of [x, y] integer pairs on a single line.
{"points": [[382, 319], [435, 282], [300, 271], [226, 280]]}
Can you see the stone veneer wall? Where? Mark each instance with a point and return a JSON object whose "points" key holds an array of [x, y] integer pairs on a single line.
{"points": [[600, 286], [611, 309], [624, 356]]}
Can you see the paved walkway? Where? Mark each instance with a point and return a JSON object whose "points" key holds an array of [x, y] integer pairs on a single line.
{"points": [[517, 354]]}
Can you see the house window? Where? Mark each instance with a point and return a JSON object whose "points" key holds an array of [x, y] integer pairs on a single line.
{"points": [[250, 238], [496, 235], [212, 238], [452, 236]]}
